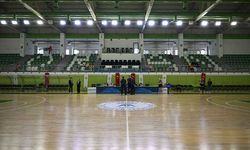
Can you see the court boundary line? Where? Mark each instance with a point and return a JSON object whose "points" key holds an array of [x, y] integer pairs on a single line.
{"points": [[21, 104], [127, 126], [26, 106], [225, 106], [229, 104]]}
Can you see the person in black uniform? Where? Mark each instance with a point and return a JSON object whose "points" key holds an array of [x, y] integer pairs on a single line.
{"points": [[123, 86], [160, 86], [202, 86], [209, 85], [129, 80], [70, 85], [132, 86], [78, 86]]}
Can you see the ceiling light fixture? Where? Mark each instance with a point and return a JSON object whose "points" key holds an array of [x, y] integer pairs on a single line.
{"points": [[77, 22], [204, 23], [104, 22], [26, 22], [233, 23], [62, 22], [14, 22], [90, 22], [151, 23], [164, 23], [39, 22], [127, 22], [217, 23], [179, 23], [114, 22], [3, 22], [139, 22]]}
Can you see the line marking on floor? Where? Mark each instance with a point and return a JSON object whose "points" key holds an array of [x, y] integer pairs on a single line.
{"points": [[127, 126], [209, 101], [26, 106]]}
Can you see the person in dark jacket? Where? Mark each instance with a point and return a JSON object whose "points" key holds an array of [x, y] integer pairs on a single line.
{"points": [[133, 84], [70, 85], [123, 86], [129, 80], [78, 86], [168, 86], [202, 86], [209, 85]]}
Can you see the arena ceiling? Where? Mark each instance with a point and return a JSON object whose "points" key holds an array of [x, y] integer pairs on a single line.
{"points": [[191, 12]]}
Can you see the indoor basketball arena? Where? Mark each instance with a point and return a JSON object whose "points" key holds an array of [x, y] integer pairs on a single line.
{"points": [[124, 74]]}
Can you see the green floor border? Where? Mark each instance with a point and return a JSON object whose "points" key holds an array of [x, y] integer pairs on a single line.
{"points": [[5, 101]]}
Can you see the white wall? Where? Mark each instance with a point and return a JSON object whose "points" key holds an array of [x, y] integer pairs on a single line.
{"points": [[232, 46], [106, 56], [9, 46], [29, 47], [120, 43], [158, 47], [86, 47], [213, 49]]}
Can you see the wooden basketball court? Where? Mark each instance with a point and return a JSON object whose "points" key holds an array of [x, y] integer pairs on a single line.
{"points": [[64, 122]]}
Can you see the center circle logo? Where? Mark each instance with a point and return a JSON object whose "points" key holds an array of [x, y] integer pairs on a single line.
{"points": [[126, 105]]}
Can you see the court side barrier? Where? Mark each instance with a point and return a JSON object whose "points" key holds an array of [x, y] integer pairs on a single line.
{"points": [[116, 90]]}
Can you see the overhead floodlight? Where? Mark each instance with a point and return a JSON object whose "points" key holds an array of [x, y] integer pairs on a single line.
{"points": [[62, 22], [217, 23], [39, 22], [204, 23], [26, 22], [104, 22], [151, 23], [139, 22], [77, 22], [127, 22], [14, 22], [164, 23], [3, 22], [233, 23], [114, 22], [90, 22], [179, 23]]}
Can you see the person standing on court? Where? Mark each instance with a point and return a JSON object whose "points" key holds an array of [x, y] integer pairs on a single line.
{"points": [[123, 86], [70, 85], [169, 86], [202, 86], [129, 80], [78, 86], [132, 86], [209, 85], [160, 86]]}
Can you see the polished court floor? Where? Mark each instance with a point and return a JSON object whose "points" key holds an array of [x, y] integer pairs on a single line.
{"points": [[74, 122]]}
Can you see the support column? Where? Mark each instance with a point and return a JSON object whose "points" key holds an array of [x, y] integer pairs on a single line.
{"points": [[219, 45], [141, 43], [109, 79], [180, 45], [164, 79], [22, 44], [62, 45], [15, 80], [86, 80], [141, 78], [101, 43]]}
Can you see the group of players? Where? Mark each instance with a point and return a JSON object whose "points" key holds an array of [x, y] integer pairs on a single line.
{"points": [[127, 86]]}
